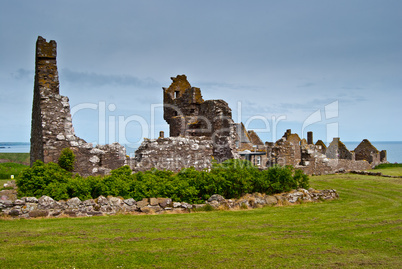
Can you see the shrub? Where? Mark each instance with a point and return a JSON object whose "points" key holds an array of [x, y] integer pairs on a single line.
{"points": [[231, 179], [67, 159], [42, 179]]}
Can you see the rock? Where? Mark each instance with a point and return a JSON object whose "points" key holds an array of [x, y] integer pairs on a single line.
{"points": [[176, 205], [70, 213], [106, 209], [153, 201], [94, 213], [46, 202], [214, 203], [89, 202], [19, 202], [115, 202], [186, 205], [102, 200], [130, 202], [271, 200], [15, 212], [30, 199], [38, 213], [74, 202], [295, 196], [165, 202], [216, 197], [142, 203]]}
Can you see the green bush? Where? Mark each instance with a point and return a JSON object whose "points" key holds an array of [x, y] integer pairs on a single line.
{"points": [[43, 179], [67, 159], [231, 179]]}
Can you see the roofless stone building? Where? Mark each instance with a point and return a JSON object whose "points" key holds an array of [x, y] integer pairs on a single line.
{"points": [[200, 131]]}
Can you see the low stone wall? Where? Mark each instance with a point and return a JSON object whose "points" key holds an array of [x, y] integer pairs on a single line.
{"points": [[45, 206], [173, 153]]}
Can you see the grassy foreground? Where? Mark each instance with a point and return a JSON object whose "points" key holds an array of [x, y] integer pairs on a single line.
{"points": [[363, 229]]}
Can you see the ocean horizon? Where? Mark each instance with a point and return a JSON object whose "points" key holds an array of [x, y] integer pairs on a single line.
{"points": [[393, 148]]}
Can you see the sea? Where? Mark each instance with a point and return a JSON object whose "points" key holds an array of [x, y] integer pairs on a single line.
{"points": [[393, 148]]}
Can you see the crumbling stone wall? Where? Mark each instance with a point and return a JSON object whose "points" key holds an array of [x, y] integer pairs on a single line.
{"points": [[188, 114], [286, 151], [366, 151], [174, 153], [52, 129], [338, 150]]}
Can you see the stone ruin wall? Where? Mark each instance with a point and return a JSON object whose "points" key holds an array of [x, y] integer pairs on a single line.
{"points": [[200, 131], [173, 153], [52, 129], [317, 159]]}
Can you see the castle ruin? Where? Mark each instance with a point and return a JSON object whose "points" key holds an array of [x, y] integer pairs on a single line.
{"points": [[200, 131]]}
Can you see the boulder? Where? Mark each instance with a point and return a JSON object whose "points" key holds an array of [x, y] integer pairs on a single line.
{"points": [[216, 197], [102, 200], [130, 202], [38, 213], [271, 200], [115, 202], [46, 202], [74, 202], [30, 199], [142, 203], [165, 202]]}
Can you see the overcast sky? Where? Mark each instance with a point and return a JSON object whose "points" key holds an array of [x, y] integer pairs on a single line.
{"points": [[334, 67]]}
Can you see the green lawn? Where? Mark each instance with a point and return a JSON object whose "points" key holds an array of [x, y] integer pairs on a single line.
{"points": [[392, 171], [363, 229]]}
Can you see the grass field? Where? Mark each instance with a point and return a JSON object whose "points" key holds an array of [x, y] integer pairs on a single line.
{"points": [[363, 229], [8, 169], [16, 157]]}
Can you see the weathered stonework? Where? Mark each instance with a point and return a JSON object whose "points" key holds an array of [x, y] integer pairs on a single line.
{"points": [[366, 151], [52, 129], [189, 115], [200, 131], [317, 159], [46, 207], [174, 153]]}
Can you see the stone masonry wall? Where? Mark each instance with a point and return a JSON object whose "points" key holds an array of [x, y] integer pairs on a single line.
{"points": [[173, 153], [52, 129], [189, 115], [46, 207]]}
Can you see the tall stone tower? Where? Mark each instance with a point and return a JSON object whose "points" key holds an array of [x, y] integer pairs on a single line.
{"points": [[50, 111], [52, 129]]}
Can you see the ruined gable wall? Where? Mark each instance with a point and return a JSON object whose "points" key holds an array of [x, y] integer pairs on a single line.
{"points": [[338, 150], [52, 129], [366, 151]]}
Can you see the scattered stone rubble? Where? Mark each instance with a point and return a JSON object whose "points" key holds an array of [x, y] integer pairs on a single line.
{"points": [[45, 206]]}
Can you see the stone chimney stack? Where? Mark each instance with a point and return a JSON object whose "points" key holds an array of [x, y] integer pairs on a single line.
{"points": [[310, 138]]}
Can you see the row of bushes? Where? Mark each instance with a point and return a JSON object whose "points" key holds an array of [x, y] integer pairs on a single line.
{"points": [[230, 179]]}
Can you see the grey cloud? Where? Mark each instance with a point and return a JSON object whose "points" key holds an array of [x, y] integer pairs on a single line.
{"points": [[96, 80], [308, 84], [23, 74]]}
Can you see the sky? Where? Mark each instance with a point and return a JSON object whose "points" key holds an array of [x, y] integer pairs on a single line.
{"points": [[331, 67]]}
